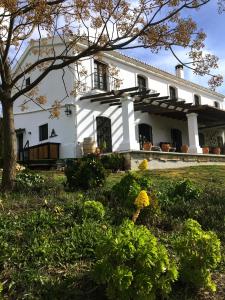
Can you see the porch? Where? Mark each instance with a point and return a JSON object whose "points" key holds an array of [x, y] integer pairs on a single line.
{"points": [[192, 123], [169, 160]]}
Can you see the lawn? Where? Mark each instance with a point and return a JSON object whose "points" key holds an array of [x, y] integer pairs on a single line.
{"points": [[47, 241]]}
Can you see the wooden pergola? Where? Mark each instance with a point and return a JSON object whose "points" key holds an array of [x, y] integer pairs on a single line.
{"points": [[150, 101]]}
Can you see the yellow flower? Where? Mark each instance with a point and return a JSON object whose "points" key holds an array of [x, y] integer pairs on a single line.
{"points": [[143, 165], [142, 200]]}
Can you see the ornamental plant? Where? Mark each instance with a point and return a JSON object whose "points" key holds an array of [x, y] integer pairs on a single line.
{"points": [[199, 254], [93, 210], [84, 174], [143, 165], [133, 265], [141, 201]]}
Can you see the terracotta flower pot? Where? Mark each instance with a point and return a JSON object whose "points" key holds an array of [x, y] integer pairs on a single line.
{"points": [[184, 148], [147, 146], [205, 150], [165, 147], [216, 150]]}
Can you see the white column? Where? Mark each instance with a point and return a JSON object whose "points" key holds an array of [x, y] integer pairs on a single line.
{"points": [[193, 133], [129, 137]]}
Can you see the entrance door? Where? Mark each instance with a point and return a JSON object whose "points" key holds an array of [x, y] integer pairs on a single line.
{"points": [[176, 136], [104, 136], [145, 134], [20, 146]]}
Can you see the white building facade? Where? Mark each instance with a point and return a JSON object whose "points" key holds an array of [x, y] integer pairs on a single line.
{"points": [[115, 118]]}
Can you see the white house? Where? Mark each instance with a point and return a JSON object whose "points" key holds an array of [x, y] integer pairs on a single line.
{"points": [[149, 104]]}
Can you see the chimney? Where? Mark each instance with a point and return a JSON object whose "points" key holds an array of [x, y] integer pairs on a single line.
{"points": [[179, 71]]}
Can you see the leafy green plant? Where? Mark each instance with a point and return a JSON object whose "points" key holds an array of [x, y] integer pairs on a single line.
{"points": [[113, 162], [29, 179], [199, 253], [84, 174], [133, 265], [94, 210], [34, 183], [125, 192], [186, 189]]}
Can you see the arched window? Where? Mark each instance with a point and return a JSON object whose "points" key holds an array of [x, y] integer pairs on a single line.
{"points": [[145, 134], [173, 92], [216, 104], [197, 100], [104, 136], [142, 83]]}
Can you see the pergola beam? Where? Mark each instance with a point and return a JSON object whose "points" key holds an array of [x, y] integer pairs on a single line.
{"points": [[112, 92]]}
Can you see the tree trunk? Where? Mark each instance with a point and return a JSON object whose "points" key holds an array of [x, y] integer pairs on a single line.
{"points": [[9, 146]]}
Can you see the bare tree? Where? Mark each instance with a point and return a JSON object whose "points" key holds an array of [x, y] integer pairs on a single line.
{"points": [[103, 25]]}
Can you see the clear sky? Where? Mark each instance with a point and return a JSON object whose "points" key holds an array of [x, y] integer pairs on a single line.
{"points": [[213, 25]]}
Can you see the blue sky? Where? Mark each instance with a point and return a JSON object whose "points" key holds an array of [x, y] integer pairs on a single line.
{"points": [[213, 25]]}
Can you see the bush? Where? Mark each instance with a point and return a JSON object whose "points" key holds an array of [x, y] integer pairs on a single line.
{"points": [[125, 192], [31, 182], [187, 190], [199, 254], [94, 210], [84, 174], [113, 162], [133, 265]]}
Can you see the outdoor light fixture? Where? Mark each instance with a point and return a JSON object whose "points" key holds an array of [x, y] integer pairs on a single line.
{"points": [[53, 133], [68, 110]]}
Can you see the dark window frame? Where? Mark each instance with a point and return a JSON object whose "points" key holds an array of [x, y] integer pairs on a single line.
{"points": [[142, 83], [197, 99], [43, 132], [216, 104], [145, 134], [28, 82], [104, 133], [100, 75], [172, 92]]}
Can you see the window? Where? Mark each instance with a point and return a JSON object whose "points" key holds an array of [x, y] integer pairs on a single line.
{"points": [[176, 136], [100, 75], [145, 134], [201, 139], [196, 100], [28, 81], [142, 84], [216, 104], [43, 132], [173, 92], [104, 136]]}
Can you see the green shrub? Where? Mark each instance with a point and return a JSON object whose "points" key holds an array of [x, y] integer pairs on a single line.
{"points": [[199, 254], [113, 162], [84, 174], [133, 265], [124, 193], [94, 210], [34, 183], [186, 189]]}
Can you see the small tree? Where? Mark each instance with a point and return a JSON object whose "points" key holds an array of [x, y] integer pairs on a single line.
{"points": [[102, 26]]}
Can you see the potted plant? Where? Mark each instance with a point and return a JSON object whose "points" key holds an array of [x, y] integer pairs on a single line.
{"points": [[216, 150], [165, 147], [184, 148], [205, 150], [147, 146]]}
